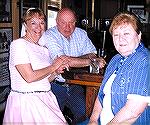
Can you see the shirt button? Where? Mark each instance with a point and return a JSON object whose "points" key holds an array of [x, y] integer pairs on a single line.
{"points": [[112, 107], [122, 80]]}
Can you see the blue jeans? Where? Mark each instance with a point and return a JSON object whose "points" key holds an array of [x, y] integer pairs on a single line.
{"points": [[72, 97]]}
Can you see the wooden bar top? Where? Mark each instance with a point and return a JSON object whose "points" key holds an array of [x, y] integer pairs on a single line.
{"points": [[88, 79], [82, 82], [91, 77]]}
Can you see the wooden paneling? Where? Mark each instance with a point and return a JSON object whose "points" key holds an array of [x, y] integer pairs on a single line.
{"points": [[105, 8], [15, 20]]}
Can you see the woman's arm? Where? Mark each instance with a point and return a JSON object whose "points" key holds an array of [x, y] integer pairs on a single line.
{"points": [[96, 113], [57, 72], [52, 76], [130, 112], [31, 75]]}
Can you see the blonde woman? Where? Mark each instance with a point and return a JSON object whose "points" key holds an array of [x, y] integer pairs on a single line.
{"points": [[31, 100]]}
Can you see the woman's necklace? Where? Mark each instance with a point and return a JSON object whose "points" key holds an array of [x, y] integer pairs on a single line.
{"points": [[30, 39]]}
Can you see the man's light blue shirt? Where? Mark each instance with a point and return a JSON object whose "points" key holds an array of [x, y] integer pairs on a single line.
{"points": [[79, 44]]}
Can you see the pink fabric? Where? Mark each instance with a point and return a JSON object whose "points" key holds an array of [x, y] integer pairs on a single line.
{"points": [[32, 108]]}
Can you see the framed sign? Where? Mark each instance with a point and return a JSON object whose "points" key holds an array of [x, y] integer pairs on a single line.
{"points": [[5, 11], [139, 11], [6, 36]]}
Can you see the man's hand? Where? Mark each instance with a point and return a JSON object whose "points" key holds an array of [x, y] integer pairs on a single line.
{"points": [[101, 62]]}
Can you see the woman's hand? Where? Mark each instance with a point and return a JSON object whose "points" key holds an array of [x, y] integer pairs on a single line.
{"points": [[122, 123], [62, 68], [61, 62]]}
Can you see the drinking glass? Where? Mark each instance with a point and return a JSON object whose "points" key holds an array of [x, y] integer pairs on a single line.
{"points": [[94, 67]]}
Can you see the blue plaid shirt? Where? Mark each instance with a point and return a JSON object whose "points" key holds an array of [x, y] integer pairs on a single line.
{"points": [[78, 45], [131, 79]]}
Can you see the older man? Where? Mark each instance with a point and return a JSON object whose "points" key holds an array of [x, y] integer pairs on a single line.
{"points": [[66, 39]]}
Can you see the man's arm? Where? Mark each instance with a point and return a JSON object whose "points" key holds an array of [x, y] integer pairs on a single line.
{"points": [[130, 112], [85, 60], [81, 61], [96, 113]]}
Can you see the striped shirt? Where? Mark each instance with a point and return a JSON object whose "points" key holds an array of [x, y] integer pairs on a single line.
{"points": [[78, 45], [131, 79]]}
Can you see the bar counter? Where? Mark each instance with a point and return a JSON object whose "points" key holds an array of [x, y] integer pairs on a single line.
{"points": [[92, 82]]}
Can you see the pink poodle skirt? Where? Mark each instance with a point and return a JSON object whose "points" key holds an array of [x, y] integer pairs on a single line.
{"points": [[33, 109]]}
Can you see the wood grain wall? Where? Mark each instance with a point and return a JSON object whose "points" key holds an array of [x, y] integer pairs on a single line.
{"points": [[15, 20]]}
